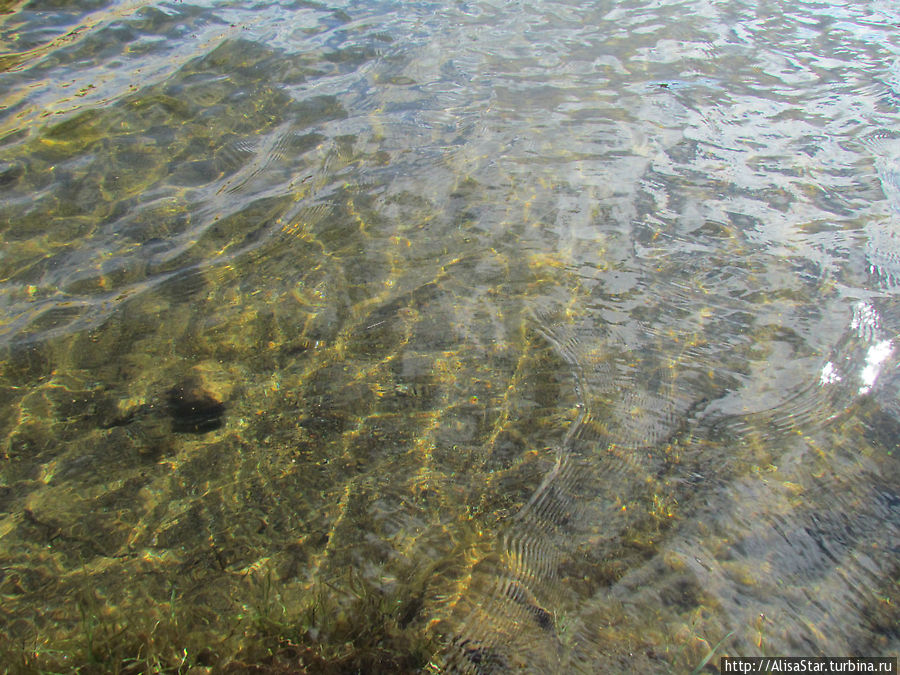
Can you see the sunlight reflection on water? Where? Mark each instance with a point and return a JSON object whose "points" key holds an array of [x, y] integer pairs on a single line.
{"points": [[548, 337]]}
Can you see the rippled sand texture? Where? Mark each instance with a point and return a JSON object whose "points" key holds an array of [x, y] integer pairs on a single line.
{"points": [[479, 338]]}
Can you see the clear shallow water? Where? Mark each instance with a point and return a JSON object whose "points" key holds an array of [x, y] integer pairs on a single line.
{"points": [[475, 337]]}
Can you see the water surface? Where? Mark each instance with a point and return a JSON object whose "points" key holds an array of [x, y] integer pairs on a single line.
{"points": [[471, 337]]}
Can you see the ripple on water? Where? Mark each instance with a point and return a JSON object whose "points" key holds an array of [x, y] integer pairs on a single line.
{"points": [[548, 338]]}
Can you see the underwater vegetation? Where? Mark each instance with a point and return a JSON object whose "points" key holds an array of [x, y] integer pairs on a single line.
{"points": [[401, 338]]}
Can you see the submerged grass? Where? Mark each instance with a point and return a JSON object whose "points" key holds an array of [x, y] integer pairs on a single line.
{"points": [[709, 655], [319, 636]]}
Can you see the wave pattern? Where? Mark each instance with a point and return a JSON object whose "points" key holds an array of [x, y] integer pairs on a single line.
{"points": [[500, 337]]}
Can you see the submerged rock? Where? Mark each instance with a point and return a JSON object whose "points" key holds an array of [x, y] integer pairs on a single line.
{"points": [[193, 409]]}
